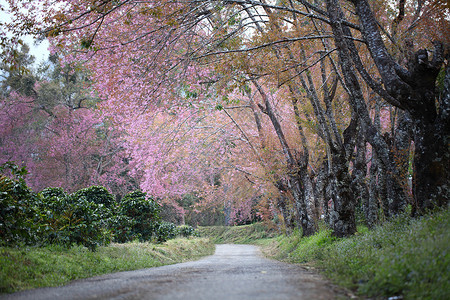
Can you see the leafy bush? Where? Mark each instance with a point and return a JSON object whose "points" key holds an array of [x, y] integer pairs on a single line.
{"points": [[74, 220], [50, 192], [187, 231], [18, 212], [122, 229], [83, 224], [166, 231], [88, 217], [52, 216], [54, 201], [98, 195], [140, 216]]}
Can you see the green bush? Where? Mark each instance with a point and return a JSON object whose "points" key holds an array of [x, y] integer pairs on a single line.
{"points": [[166, 231], [86, 224], [122, 228], [18, 207], [74, 220], [88, 217], [187, 231], [54, 201], [50, 192], [52, 216], [98, 195], [140, 216]]}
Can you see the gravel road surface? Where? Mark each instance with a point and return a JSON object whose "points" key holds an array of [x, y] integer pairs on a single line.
{"points": [[233, 272]]}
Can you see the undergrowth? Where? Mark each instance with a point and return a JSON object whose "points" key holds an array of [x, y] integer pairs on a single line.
{"points": [[245, 234], [405, 257], [31, 267]]}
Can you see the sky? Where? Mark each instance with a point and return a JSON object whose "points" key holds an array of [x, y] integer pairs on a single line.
{"points": [[40, 50]]}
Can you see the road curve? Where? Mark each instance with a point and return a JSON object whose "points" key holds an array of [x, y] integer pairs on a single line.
{"points": [[233, 272]]}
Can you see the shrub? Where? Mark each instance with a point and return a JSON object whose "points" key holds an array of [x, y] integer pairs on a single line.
{"points": [[187, 231], [88, 217], [166, 231], [52, 216], [51, 192], [98, 195], [122, 229], [85, 223], [18, 212], [54, 200], [144, 214], [74, 220]]}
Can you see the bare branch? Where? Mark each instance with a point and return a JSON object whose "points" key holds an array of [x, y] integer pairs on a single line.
{"points": [[284, 40]]}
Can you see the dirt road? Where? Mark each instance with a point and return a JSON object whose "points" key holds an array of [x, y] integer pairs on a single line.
{"points": [[233, 272]]}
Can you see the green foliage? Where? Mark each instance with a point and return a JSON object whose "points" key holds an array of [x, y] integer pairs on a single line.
{"points": [[245, 234], [122, 229], [187, 231], [73, 219], [17, 207], [138, 216], [16, 72], [83, 223], [98, 195], [88, 217], [166, 231], [52, 216], [405, 257], [12, 169], [50, 192], [54, 265], [86, 43]]}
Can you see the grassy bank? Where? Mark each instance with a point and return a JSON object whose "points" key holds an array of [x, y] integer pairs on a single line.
{"points": [[405, 257], [246, 234], [32, 267]]}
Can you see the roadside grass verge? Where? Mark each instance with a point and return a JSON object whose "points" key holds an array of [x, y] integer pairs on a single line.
{"points": [[33, 267], [245, 234], [408, 258]]}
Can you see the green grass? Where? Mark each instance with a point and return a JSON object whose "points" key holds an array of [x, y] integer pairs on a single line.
{"points": [[245, 234], [405, 257], [32, 267]]}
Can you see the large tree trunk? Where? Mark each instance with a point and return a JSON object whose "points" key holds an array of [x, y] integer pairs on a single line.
{"points": [[397, 184], [413, 89], [344, 201], [359, 173], [431, 166], [371, 212]]}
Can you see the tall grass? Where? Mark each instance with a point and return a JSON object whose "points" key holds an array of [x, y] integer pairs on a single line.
{"points": [[32, 267], [405, 257], [245, 234]]}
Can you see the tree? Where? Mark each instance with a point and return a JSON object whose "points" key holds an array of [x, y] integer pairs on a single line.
{"points": [[147, 52], [412, 88], [48, 120]]}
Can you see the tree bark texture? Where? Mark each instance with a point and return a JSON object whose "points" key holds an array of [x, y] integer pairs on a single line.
{"points": [[414, 88]]}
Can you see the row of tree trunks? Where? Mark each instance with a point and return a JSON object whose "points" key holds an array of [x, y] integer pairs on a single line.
{"points": [[385, 187], [345, 181], [414, 90]]}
